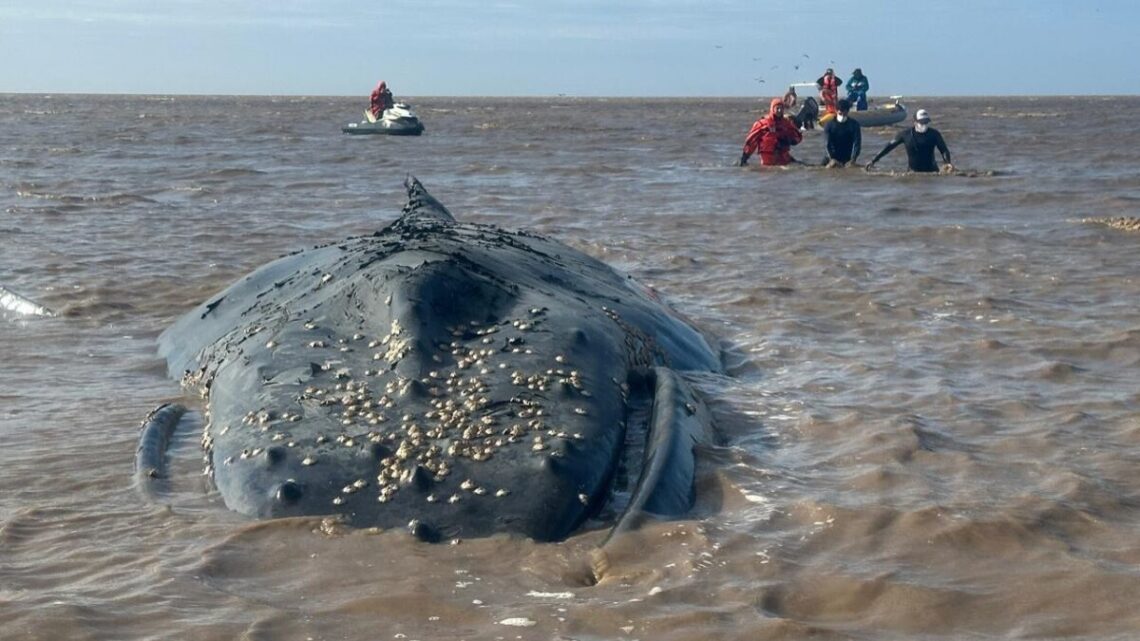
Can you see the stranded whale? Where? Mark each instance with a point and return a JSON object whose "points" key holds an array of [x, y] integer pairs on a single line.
{"points": [[455, 378]]}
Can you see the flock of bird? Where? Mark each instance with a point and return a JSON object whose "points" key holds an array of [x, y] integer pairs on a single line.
{"points": [[760, 79]]}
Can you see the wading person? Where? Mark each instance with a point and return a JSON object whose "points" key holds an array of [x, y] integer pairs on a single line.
{"points": [[844, 137], [920, 142], [772, 137]]}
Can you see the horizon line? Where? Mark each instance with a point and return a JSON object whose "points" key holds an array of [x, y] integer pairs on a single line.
{"points": [[34, 92]]}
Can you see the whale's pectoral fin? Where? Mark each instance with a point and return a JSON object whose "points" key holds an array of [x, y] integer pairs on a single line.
{"points": [[680, 422], [10, 301], [154, 439]]}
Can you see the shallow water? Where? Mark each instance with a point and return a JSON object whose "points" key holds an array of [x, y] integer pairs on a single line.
{"points": [[931, 425]]}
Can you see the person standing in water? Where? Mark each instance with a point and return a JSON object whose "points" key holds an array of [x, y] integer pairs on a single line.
{"points": [[772, 137], [844, 137], [857, 87], [920, 142]]}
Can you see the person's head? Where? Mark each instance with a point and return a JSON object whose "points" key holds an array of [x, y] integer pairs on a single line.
{"points": [[858, 72], [921, 120], [829, 72], [776, 107], [841, 108]]}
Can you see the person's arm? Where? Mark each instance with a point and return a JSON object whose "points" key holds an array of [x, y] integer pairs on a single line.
{"points": [[828, 145], [858, 146], [886, 150], [752, 141], [942, 148], [792, 135]]}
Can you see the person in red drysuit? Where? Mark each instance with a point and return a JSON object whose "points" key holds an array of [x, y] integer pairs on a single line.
{"points": [[772, 137], [381, 99], [829, 85]]}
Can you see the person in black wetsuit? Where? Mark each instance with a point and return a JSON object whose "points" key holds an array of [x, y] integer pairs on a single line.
{"points": [[844, 137], [920, 142]]}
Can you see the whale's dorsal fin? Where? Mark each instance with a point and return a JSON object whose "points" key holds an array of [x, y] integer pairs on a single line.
{"points": [[422, 206]]}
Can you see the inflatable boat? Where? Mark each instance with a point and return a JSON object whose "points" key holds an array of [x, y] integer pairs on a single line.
{"points": [[877, 116], [810, 113], [399, 120]]}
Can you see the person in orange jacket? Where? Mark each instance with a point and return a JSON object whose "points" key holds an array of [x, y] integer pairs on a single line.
{"points": [[829, 85], [381, 99], [772, 137]]}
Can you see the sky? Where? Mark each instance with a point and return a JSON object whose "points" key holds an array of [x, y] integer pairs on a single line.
{"points": [[576, 48]]}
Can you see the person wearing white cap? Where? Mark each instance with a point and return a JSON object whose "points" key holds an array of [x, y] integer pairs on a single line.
{"points": [[920, 142]]}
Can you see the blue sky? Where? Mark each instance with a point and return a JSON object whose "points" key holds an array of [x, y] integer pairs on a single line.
{"points": [[550, 47]]}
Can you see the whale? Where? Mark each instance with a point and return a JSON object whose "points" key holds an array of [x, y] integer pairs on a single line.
{"points": [[452, 378]]}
